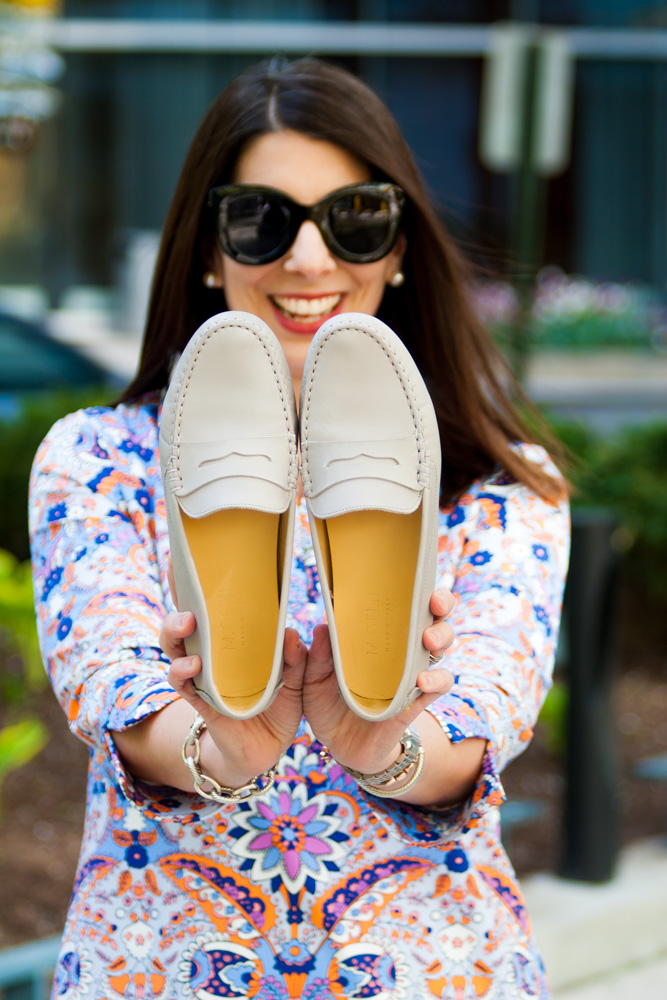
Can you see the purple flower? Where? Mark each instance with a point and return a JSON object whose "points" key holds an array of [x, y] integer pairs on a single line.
{"points": [[288, 835]]}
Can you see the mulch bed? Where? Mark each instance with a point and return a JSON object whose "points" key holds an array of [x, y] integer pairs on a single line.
{"points": [[43, 802]]}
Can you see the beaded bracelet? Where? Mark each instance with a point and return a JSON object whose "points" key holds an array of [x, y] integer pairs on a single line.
{"points": [[383, 783], [218, 792], [391, 793], [411, 749]]}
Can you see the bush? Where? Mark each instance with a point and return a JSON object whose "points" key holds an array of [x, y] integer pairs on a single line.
{"points": [[626, 474], [20, 437], [577, 313], [22, 735]]}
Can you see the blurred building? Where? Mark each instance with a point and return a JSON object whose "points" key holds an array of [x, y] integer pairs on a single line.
{"points": [[95, 186]]}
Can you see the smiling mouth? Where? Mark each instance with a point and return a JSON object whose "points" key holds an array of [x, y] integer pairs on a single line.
{"points": [[306, 310]]}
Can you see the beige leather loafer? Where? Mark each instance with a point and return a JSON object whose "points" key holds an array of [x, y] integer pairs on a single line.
{"points": [[228, 454], [370, 464]]}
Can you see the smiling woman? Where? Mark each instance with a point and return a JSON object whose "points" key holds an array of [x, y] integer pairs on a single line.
{"points": [[272, 851], [309, 282]]}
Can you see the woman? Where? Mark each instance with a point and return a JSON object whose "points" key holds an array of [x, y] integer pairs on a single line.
{"points": [[317, 888]]}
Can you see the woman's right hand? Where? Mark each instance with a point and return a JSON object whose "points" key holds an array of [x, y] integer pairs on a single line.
{"points": [[232, 750]]}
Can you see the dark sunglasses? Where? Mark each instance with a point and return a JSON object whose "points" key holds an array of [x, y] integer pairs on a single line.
{"points": [[257, 225]]}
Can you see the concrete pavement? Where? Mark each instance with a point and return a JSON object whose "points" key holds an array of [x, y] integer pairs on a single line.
{"points": [[600, 942], [644, 981]]}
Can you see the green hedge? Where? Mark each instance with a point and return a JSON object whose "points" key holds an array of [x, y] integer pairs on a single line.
{"points": [[627, 474], [20, 437]]}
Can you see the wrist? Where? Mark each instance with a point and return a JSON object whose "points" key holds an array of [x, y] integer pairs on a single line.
{"points": [[371, 765], [214, 763], [401, 775], [210, 788]]}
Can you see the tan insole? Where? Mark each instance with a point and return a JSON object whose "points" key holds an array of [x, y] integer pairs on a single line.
{"points": [[373, 558], [235, 553]]}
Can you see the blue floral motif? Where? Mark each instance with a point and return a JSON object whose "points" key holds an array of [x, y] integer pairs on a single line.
{"points": [[64, 626], [457, 516], [290, 837], [51, 580], [541, 552], [542, 616], [132, 447], [57, 512], [144, 500], [457, 860], [72, 975], [480, 558]]}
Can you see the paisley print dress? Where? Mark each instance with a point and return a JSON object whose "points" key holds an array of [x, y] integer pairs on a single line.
{"points": [[314, 890]]}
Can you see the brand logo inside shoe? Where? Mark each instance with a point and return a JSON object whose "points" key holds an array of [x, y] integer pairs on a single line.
{"points": [[363, 457], [233, 454]]}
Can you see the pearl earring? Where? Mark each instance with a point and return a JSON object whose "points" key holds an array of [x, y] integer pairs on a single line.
{"points": [[212, 280], [397, 279]]}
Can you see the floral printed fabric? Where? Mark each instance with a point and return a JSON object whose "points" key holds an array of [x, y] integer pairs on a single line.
{"points": [[315, 889]]}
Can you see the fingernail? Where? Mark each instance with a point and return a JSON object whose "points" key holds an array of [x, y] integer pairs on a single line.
{"points": [[182, 619]]}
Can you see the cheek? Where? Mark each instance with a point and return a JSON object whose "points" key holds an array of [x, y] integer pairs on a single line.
{"points": [[241, 282], [371, 280]]}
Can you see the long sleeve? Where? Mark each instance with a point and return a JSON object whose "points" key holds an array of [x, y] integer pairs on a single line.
{"points": [[504, 554], [98, 543]]}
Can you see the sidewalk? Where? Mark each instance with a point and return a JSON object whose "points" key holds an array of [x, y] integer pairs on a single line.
{"points": [[609, 941], [645, 981]]}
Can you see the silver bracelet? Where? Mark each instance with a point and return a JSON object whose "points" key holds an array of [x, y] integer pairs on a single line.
{"points": [[218, 792], [411, 749], [384, 792]]}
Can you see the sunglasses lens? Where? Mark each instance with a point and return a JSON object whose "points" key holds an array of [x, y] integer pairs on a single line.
{"points": [[257, 225], [361, 222]]}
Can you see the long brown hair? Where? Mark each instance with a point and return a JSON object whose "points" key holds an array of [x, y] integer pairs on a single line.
{"points": [[432, 312]]}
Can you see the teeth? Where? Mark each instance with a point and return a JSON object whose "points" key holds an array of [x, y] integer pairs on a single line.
{"points": [[309, 308]]}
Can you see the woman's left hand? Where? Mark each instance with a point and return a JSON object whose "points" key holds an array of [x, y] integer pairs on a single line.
{"points": [[370, 746]]}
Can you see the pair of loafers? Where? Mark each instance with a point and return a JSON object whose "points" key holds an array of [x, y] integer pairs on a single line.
{"points": [[370, 465]]}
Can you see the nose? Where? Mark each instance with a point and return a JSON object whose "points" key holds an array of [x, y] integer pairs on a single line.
{"points": [[309, 254]]}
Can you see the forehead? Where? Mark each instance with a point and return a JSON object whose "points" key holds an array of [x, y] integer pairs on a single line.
{"points": [[304, 168]]}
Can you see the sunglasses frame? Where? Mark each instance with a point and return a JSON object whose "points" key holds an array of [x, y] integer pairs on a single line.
{"points": [[219, 197]]}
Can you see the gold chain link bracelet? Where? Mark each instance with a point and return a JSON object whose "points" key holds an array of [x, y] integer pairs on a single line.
{"points": [[217, 792]]}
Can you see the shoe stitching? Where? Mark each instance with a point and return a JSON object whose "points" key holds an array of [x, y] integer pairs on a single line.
{"points": [[182, 389], [404, 379], [422, 472]]}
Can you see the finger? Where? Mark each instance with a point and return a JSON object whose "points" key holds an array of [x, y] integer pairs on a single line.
{"points": [[438, 638], [175, 627], [181, 672], [294, 649], [320, 666], [442, 603], [320, 656], [435, 682], [295, 657]]}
